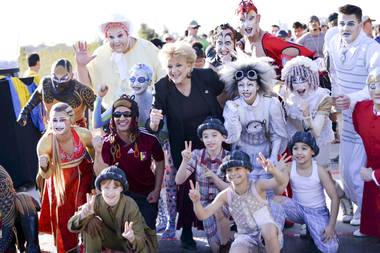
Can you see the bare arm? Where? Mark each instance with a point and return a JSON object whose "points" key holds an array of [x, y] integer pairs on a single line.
{"points": [[279, 172], [204, 212], [99, 164], [328, 185], [183, 172], [44, 148]]}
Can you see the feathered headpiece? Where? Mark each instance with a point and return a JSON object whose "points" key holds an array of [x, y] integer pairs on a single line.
{"points": [[245, 6], [266, 74], [300, 66]]}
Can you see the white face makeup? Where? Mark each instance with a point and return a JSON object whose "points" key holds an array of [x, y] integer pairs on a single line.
{"points": [[248, 90], [122, 118], [60, 123], [349, 27], [374, 91], [249, 23], [118, 39], [139, 81], [111, 193], [224, 45], [177, 69], [301, 86]]}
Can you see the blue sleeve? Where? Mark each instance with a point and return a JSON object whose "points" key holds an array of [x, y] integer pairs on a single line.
{"points": [[101, 119]]}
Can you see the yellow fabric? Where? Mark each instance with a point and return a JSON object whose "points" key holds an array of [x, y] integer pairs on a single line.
{"points": [[37, 77], [103, 71], [22, 91]]}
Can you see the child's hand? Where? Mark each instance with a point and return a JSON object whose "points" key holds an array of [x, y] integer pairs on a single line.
{"points": [[329, 233], [207, 172], [186, 153], [128, 231], [88, 208], [265, 163], [366, 174], [281, 164], [102, 90], [194, 193]]}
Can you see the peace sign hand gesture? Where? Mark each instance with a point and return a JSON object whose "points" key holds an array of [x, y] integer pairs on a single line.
{"points": [[186, 153], [88, 208], [265, 163], [194, 193], [128, 231]]}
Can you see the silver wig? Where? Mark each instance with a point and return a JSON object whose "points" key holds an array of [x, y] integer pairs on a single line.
{"points": [[262, 65]]}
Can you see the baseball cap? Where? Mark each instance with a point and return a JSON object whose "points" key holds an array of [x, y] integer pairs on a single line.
{"points": [[194, 24]]}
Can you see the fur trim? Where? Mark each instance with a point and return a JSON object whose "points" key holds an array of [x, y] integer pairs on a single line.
{"points": [[262, 65]]}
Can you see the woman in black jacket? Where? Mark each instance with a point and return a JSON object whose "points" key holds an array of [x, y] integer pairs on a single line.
{"points": [[186, 97]]}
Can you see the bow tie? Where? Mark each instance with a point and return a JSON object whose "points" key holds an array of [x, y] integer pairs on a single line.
{"points": [[209, 160]]}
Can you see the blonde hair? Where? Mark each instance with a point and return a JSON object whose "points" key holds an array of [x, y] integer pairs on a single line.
{"points": [[178, 48], [58, 179], [374, 76]]}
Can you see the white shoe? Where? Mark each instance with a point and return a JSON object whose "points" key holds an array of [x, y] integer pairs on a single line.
{"points": [[356, 219], [357, 233], [347, 208]]}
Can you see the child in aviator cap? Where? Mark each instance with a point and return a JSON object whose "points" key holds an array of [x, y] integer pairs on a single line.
{"points": [[308, 181], [246, 201], [205, 162], [123, 228]]}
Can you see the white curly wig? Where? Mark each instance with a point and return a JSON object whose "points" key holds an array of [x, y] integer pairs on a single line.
{"points": [[300, 66], [262, 65]]}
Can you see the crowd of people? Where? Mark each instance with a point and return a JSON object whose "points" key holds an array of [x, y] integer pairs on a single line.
{"points": [[231, 134]]}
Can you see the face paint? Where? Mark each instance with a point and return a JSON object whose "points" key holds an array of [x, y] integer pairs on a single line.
{"points": [[61, 78], [247, 90], [111, 193], [59, 125], [224, 45], [118, 39], [349, 27], [139, 81], [249, 23], [300, 86]]}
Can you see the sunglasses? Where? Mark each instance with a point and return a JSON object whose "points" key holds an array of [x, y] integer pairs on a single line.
{"points": [[250, 74], [63, 79], [140, 79], [126, 114]]}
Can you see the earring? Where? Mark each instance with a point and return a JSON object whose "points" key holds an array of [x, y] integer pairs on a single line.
{"points": [[188, 75]]}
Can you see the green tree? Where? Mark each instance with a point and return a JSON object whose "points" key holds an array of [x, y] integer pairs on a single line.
{"points": [[147, 33]]}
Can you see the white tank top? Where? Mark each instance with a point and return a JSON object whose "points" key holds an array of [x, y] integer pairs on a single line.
{"points": [[307, 191]]}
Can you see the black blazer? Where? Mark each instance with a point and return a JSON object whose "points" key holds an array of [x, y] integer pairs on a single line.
{"points": [[209, 85]]}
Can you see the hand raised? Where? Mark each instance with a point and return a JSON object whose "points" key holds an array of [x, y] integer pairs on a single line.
{"points": [[186, 153], [342, 102], [207, 172], [43, 161], [97, 142], [88, 208], [102, 91], [155, 116], [81, 53], [128, 231], [282, 163], [265, 163], [194, 193]]}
